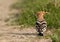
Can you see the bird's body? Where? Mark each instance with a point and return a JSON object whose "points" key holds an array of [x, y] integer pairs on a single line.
{"points": [[41, 24]]}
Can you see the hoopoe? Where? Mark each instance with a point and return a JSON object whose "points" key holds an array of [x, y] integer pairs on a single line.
{"points": [[41, 24]]}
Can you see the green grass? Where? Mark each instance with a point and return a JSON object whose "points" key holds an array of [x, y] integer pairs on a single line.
{"points": [[56, 35], [28, 9]]}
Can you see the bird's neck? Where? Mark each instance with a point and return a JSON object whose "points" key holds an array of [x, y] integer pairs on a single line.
{"points": [[41, 18]]}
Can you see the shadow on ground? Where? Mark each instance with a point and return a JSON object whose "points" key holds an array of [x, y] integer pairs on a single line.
{"points": [[24, 33]]}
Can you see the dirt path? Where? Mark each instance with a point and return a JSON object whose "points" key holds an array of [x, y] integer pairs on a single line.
{"points": [[13, 33]]}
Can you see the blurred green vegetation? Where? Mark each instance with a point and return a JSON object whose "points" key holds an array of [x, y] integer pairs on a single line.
{"points": [[28, 9], [56, 35], [27, 14]]}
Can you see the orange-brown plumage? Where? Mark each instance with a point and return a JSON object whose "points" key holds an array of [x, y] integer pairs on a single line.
{"points": [[40, 15]]}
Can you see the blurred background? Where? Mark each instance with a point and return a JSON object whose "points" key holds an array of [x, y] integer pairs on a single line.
{"points": [[27, 11]]}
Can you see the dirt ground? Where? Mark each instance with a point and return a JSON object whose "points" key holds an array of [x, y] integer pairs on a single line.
{"points": [[14, 33]]}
